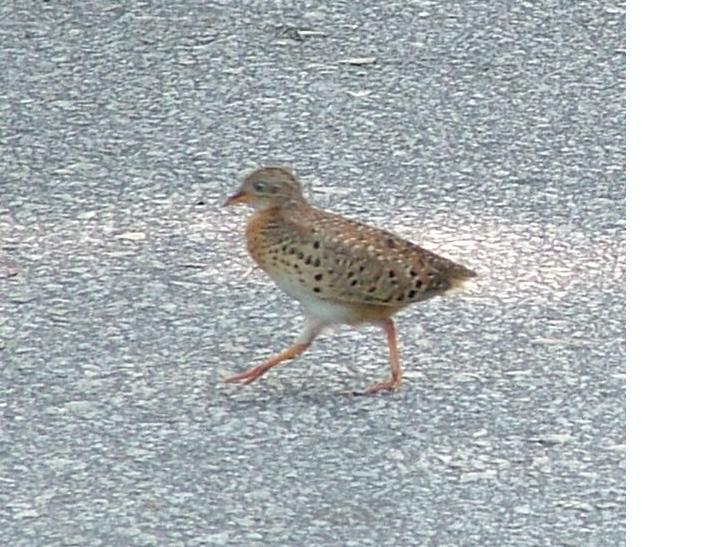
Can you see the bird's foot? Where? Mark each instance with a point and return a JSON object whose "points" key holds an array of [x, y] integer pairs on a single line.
{"points": [[390, 384], [247, 376]]}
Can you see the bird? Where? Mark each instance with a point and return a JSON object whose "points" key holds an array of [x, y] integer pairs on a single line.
{"points": [[342, 271]]}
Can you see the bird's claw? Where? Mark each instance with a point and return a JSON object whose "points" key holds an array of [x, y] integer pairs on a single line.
{"points": [[244, 377], [390, 384]]}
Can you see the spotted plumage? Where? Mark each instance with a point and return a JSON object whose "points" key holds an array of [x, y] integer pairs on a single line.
{"points": [[341, 270]]}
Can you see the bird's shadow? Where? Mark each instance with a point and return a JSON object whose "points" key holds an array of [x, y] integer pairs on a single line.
{"points": [[272, 395]]}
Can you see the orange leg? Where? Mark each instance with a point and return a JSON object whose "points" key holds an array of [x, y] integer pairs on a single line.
{"points": [[395, 368], [291, 352]]}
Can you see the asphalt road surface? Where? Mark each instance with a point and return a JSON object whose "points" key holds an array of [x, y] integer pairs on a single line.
{"points": [[491, 132]]}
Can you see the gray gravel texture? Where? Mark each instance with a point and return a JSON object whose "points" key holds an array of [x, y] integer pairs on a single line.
{"points": [[492, 132]]}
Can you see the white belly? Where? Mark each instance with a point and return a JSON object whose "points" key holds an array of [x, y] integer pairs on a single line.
{"points": [[322, 311]]}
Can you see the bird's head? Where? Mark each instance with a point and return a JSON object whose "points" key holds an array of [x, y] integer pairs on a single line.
{"points": [[268, 187]]}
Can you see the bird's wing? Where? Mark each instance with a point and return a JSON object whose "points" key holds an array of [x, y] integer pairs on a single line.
{"points": [[361, 264]]}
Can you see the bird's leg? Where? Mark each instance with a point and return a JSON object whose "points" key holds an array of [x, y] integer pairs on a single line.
{"points": [[395, 368], [252, 374], [303, 343]]}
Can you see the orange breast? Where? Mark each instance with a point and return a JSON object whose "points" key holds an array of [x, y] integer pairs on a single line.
{"points": [[257, 244]]}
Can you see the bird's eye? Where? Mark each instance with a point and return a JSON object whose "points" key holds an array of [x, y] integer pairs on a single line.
{"points": [[259, 186]]}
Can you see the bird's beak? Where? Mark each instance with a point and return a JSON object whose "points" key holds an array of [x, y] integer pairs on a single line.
{"points": [[239, 197]]}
